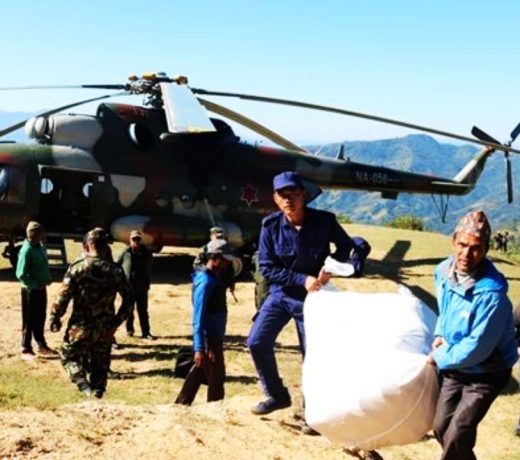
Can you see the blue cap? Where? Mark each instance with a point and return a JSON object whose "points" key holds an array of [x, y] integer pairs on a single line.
{"points": [[287, 179]]}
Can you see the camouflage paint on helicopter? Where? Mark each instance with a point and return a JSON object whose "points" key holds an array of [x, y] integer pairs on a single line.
{"points": [[173, 187], [131, 167]]}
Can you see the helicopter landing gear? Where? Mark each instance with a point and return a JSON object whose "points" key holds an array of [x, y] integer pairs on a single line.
{"points": [[11, 252]]}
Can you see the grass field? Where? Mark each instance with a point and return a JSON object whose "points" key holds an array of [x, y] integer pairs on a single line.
{"points": [[43, 416]]}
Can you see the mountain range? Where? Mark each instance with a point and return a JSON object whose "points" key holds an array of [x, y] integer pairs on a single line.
{"points": [[422, 154]]}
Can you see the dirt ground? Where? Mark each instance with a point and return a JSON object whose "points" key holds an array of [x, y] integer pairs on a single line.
{"points": [[115, 428]]}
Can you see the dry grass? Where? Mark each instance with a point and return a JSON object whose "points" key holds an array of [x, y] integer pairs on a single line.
{"points": [[42, 416]]}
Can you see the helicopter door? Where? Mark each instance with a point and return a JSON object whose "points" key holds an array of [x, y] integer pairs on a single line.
{"points": [[65, 204], [15, 188]]}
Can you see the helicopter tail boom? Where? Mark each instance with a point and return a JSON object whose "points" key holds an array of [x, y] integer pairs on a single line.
{"points": [[470, 173]]}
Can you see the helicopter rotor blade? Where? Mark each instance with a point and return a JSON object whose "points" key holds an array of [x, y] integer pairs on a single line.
{"points": [[252, 125], [485, 137], [351, 113], [509, 180], [17, 88], [19, 125], [515, 133]]}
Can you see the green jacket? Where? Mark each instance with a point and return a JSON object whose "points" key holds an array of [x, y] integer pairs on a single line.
{"points": [[32, 268], [137, 267]]}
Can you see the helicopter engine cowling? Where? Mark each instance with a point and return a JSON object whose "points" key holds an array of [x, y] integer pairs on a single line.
{"points": [[81, 131]]}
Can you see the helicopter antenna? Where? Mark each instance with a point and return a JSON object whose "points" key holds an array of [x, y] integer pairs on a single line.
{"points": [[442, 205]]}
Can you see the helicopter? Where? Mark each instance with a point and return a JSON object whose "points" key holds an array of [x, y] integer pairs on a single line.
{"points": [[171, 171]]}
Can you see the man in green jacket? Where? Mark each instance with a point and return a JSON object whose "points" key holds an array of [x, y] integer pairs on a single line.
{"points": [[136, 261], [32, 270]]}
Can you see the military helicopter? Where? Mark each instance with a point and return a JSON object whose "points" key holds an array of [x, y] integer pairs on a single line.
{"points": [[170, 170]]}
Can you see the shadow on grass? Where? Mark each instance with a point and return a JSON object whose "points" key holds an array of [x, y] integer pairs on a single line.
{"points": [[168, 372], [512, 387], [7, 274], [137, 352], [392, 267]]}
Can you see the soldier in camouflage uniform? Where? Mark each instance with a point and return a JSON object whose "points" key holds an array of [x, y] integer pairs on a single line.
{"points": [[92, 282]]}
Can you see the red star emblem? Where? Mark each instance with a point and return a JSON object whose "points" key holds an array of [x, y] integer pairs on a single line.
{"points": [[249, 194]]}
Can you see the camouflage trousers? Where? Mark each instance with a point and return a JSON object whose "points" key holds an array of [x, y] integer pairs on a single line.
{"points": [[85, 355]]}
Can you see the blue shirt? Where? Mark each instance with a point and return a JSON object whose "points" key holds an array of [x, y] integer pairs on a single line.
{"points": [[475, 321], [286, 256], [209, 308]]}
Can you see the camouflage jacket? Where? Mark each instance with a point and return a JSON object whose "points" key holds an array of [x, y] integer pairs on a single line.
{"points": [[92, 283]]}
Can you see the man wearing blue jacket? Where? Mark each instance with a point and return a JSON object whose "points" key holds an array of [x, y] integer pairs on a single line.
{"points": [[474, 347], [209, 325], [294, 243]]}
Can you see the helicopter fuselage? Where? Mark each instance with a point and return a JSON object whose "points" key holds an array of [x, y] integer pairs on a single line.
{"points": [[122, 170]]}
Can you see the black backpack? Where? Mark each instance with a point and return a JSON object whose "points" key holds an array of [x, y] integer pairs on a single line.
{"points": [[184, 362]]}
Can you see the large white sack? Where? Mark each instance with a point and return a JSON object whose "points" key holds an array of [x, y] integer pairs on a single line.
{"points": [[366, 382]]}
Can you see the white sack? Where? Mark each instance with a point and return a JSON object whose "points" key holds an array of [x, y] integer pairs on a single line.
{"points": [[366, 382]]}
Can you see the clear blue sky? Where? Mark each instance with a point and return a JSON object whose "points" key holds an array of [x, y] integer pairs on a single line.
{"points": [[443, 63]]}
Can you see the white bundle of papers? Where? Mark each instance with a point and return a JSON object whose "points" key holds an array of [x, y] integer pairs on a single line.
{"points": [[366, 381], [334, 267]]}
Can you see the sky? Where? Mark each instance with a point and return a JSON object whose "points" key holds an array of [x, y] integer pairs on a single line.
{"points": [[440, 63]]}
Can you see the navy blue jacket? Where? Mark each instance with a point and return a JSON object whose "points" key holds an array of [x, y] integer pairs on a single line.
{"points": [[287, 256]]}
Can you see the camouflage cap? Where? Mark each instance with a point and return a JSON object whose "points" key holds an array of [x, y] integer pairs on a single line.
{"points": [[136, 234], [216, 230], [33, 227], [475, 223], [97, 236]]}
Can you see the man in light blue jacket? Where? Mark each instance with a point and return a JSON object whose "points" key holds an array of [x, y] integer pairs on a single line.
{"points": [[474, 347]]}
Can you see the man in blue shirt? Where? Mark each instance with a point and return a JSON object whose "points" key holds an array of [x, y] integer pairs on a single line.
{"points": [[294, 243], [474, 347], [209, 325]]}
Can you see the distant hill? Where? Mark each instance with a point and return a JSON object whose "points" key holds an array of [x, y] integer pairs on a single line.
{"points": [[423, 154], [416, 153]]}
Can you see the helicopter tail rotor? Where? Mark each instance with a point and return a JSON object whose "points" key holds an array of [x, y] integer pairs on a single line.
{"points": [[483, 136]]}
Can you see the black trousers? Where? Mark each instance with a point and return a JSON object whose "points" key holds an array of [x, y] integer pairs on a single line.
{"points": [[463, 402], [141, 302], [213, 370], [34, 309]]}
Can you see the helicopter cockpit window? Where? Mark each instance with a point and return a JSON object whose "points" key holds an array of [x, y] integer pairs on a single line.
{"points": [[4, 184], [140, 136], [87, 189], [46, 186], [12, 184]]}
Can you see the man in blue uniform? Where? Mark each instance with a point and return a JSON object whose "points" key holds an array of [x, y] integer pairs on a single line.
{"points": [[294, 243], [474, 347]]}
